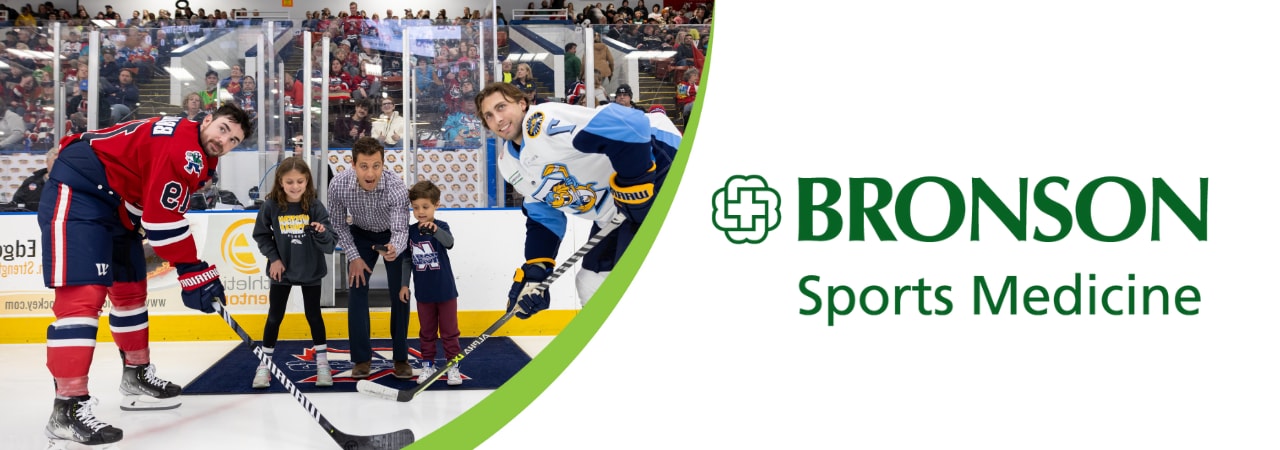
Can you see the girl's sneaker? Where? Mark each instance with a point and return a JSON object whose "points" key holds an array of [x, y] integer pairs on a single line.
{"points": [[262, 379], [324, 376]]}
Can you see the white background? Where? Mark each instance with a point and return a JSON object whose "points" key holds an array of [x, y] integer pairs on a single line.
{"points": [[720, 356]]}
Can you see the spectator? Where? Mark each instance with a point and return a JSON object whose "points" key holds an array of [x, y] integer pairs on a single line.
{"points": [[13, 130], [193, 107], [422, 78], [524, 81], [686, 93], [604, 59], [234, 82], [26, 18], [506, 71], [293, 90], [339, 80], [462, 128], [366, 85], [247, 98], [27, 197], [212, 95], [388, 128], [346, 130], [123, 97], [685, 49], [110, 69], [625, 97], [572, 65]]}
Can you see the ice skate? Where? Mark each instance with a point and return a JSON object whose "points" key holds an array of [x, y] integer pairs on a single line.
{"points": [[143, 391], [73, 422], [324, 376], [454, 376], [428, 370], [262, 378]]}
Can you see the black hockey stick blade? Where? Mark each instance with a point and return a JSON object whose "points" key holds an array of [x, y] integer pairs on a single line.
{"points": [[387, 441], [404, 395]]}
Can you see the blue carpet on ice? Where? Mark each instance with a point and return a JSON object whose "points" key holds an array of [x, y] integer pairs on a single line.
{"points": [[487, 367]]}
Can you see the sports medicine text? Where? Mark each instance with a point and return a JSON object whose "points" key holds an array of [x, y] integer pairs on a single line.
{"points": [[824, 211]]}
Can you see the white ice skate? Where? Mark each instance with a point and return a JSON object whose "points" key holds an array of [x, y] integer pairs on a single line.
{"points": [[143, 391], [73, 422]]}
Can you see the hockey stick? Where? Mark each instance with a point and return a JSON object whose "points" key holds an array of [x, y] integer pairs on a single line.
{"points": [[404, 395], [389, 441]]}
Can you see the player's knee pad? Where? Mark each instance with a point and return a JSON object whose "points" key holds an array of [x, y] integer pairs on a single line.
{"points": [[128, 295], [79, 301]]}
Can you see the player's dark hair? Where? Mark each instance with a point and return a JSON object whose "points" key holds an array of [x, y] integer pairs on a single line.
{"points": [[509, 91], [367, 146], [291, 164], [425, 189], [236, 115]]}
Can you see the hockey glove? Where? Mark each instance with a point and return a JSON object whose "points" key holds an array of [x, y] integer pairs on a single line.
{"points": [[634, 196], [524, 290], [200, 285]]}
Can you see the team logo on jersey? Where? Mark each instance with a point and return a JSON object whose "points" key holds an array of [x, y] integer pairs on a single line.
{"points": [[562, 190], [195, 162], [533, 125]]}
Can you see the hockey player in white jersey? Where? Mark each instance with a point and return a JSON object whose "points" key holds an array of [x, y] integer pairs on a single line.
{"points": [[569, 160]]}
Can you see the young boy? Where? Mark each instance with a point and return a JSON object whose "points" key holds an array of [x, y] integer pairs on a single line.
{"points": [[434, 287]]}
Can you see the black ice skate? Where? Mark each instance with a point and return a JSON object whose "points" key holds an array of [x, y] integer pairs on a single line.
{"points": [[73, 421], [143, 391]]}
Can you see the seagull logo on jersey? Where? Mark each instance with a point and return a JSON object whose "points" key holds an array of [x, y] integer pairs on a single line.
{"points": [[425, 257], [562, 190], [195, 162]]}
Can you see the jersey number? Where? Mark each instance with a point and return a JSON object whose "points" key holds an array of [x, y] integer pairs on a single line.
{"points": [[555, 128], [175, 197]]}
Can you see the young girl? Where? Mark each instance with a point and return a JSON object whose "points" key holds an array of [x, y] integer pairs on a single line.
{"points": [[293, 233]]}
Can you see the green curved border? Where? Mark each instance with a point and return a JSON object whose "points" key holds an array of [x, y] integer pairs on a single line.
{"points": [[476, 425]]}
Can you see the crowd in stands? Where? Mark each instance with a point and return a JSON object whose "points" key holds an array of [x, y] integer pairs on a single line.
{"points": [[364, 66]]}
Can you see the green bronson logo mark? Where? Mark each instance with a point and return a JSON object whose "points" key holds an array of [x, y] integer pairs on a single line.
{"points": [[746, 209]]}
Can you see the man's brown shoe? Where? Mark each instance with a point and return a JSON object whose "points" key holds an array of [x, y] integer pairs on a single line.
{"points": [[403, 370], [361, 370]]}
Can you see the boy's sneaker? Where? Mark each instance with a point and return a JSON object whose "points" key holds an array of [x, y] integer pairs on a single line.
{"points": [[324, 376], [73, 421], [428, 371], [262, 378], [455, 377], [144, 391]]}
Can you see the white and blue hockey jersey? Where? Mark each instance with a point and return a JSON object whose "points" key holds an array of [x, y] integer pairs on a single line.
{"points": [[562, 168]]}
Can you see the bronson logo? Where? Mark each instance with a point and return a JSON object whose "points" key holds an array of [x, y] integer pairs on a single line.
{"points": [[238, 249], [746, 209]]}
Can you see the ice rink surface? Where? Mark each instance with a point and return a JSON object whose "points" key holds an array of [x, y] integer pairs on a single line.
{"points": [[275, 421]]}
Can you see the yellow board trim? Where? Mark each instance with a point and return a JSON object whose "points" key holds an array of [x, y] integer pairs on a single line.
{"points": [[210, 327]]}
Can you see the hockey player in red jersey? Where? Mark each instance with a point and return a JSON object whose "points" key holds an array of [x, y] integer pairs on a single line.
{"points": [[109, 188]]}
